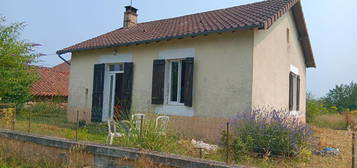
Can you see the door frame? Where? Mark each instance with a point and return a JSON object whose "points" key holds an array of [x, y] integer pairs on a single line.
{"points": [[109, 91]]}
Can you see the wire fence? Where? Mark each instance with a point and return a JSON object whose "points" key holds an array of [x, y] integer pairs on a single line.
{"points": [[51, 119]]}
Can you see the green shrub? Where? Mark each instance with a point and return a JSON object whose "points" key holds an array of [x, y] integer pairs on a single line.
{"points": [[312, 110], [270, 133], [316, 107]]}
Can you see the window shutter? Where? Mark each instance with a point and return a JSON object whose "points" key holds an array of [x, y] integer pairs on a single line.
{"points": [[291, 90], [97, 96], [158, 82], [126, 89], [189, 63], [298, 94]]}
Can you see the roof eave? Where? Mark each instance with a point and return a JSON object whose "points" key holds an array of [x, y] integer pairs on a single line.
{"points": [[60, 52], [303, 35]]}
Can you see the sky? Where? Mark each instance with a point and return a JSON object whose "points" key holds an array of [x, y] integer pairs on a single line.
{"points": [[57, 24]]}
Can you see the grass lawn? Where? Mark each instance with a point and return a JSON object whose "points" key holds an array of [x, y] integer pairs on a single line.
{"points": [[327, 130]]}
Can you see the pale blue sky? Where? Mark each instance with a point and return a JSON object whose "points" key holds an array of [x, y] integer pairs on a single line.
{"points": [[60, 23]]}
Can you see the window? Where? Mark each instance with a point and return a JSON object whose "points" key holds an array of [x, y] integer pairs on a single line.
{"points": [[176, 82], [116, 67], [172, 82], [294, 92]]}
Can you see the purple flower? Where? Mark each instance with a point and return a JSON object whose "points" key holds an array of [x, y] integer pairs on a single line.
{"points": [[272, 131], [35, 44]]}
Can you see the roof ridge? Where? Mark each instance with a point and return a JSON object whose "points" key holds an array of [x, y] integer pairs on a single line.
{"points": [[172, 18], [209, 11]]}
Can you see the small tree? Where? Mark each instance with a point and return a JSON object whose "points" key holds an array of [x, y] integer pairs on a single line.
{"points": [[316, 107], [16, 55], [312, 108], [344, 97]]}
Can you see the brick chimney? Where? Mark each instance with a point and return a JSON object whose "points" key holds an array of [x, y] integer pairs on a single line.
{"points": [[130, 16]]}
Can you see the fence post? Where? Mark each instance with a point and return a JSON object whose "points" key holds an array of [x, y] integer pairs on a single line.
{"points": [[353, 150], [227, 144], [77, 125], [201, 153], [13, 119], [141, 126], [29, 122]]}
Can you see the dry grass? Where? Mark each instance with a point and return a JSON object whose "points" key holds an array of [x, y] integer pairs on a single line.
{"points": [[340, 139], [21, 154], [328, 129], [147, 163], [333, 121]]}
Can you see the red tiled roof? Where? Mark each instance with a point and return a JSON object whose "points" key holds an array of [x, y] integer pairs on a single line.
{"points": [[259, 15], [64, 67], [51, 83]]}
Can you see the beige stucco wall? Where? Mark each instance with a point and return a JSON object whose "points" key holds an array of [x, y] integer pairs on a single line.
{"points": [[81, 79], [272, 58], [222, 74]]}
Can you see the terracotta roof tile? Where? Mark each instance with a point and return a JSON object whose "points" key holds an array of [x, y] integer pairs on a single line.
{"points": [[51, 83], [255, 15], [64, 67]]}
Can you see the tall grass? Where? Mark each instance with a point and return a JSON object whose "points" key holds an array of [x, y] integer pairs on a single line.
{"points": [[44, 113], [334, 121], [150, 137], [11, 156]]}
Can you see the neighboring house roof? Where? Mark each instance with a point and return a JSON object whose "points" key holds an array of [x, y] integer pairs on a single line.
{"points": [[51, 83], [64, 67], [259, 15]]}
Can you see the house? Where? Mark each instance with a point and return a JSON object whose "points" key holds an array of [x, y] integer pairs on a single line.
{"points": [[200, 69], [63, 67], [52, 84]]}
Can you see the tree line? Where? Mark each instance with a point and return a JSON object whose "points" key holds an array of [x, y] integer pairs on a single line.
{"points": [[341, 98]]}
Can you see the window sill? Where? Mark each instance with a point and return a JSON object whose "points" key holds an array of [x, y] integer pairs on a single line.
{"points": [[175, 104], [175, 110], [294, 113]]}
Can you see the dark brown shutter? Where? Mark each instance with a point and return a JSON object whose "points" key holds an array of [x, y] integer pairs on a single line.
{"points": [[291, 91], [126, 89], [158, 82], [97, 96], [189, 63], [298, 94]]}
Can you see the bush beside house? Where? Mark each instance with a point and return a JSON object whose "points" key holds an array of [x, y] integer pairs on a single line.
{"points": [[268, 133]]}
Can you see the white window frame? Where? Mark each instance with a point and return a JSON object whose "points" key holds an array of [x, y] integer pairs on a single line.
{"points": [[295, 71], [114, 72], [169, 62], [295, 92]]}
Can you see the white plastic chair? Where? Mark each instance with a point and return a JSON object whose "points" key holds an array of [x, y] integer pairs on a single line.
{"points": [[162, 123], [136, 118], [112, 132]]}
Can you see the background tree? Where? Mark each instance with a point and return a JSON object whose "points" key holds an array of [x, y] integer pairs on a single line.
{"points": [[312, 108], [344, 97], [315, 107], [16, 55]]}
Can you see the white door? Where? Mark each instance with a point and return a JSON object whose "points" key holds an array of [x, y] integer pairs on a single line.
{"points": [[109, 89]]}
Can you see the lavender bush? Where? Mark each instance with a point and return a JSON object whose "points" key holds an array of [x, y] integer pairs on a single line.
{"points": [[270, 133]]}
